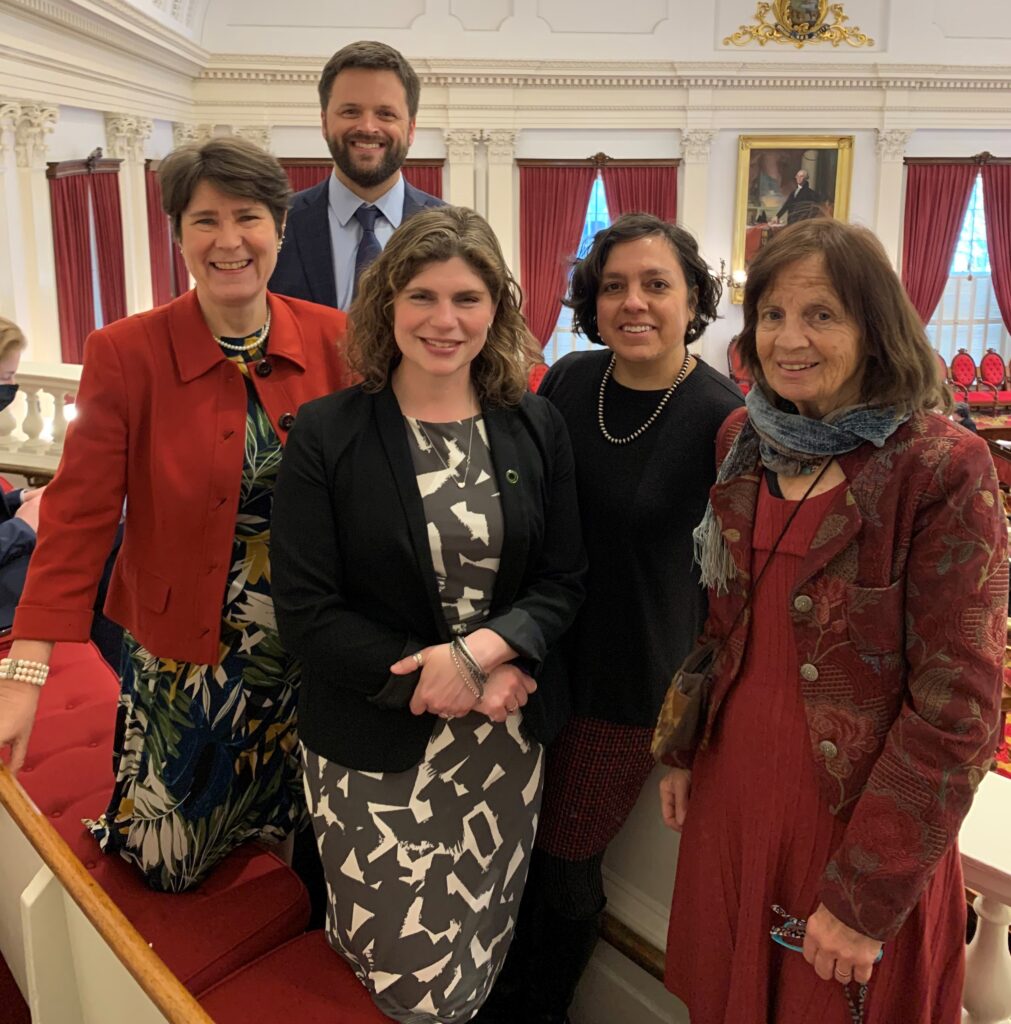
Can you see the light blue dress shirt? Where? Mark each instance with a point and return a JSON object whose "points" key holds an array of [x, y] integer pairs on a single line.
{"points": [[346, 232]]}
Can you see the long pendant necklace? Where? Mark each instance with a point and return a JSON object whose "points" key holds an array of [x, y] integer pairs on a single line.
{"points": [[451, 469], [682, 373], [251, 343]]}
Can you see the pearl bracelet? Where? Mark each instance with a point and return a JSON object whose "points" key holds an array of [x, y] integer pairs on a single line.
{"points": [[24, 671]]}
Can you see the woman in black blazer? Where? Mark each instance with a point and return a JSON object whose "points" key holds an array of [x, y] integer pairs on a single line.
{"points": [[426, 557]]}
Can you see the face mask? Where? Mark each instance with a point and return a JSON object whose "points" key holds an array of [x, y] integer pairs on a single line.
{"points": [[7, 393]]}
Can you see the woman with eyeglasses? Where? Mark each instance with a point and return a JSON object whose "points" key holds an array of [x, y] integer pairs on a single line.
{"points": [[855, 550]]}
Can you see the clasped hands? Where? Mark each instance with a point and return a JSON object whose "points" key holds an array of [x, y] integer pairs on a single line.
{"points": [[442, 692]]}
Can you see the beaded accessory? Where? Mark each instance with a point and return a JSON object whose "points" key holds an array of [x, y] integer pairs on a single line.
{"points": [[24, 671], [253, 342], [682, 373], [463, 671], [472, 663]]}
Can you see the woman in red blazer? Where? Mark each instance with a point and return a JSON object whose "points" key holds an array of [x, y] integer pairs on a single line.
{"points": [[855, 548], [182, 413]]}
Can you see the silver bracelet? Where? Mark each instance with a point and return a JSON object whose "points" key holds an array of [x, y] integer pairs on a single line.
{"points": [[472, 663], [472, 684], [24, 671]]}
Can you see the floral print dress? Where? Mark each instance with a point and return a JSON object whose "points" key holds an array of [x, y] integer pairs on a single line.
{"points": [[206, 756]]}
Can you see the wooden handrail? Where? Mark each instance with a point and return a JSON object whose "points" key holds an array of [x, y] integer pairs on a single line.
{"points": [[633, 946], [161, 985]]}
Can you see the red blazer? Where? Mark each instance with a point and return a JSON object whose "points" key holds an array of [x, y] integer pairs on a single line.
{"points": [[899, 619], [161, 421]]}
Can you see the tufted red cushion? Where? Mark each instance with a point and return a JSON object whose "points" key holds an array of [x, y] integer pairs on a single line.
{"points": [[991, 369], [250, 904], [304, 981], [980, 398], [963, 368]]}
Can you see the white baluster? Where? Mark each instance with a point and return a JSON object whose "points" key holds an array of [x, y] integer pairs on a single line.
{"points": [[8, 422], [987, 994], [33, 424], [59, 420]]}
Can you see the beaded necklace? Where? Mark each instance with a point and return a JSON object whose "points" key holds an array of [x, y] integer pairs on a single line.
{"points": [[682, 373], [251, 343]]}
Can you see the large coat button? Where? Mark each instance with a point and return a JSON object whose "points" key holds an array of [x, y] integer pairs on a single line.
{"points": [[828, 750], [286, 420], [264, 368], [803, 603], [808, 672]]}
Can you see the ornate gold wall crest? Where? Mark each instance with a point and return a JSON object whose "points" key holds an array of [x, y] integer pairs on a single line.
{"points": [[799, 22]]}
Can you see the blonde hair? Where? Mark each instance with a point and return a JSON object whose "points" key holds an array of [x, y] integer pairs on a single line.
{"points": [[11, 337], [499, 371]]}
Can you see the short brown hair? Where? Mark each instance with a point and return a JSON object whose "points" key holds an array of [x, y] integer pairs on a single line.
{"points": [[11, 337], [499, 372], [233, 165], [367, 53], [900, 368], [704, 289]]}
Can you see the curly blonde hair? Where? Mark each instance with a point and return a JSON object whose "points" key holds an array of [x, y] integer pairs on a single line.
{"points": [[499, 372]]}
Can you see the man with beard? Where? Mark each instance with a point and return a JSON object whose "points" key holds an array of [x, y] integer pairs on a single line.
{"points": [[369, 102]]}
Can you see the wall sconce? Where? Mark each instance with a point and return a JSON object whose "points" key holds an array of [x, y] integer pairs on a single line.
{"points": [[733, 281]]}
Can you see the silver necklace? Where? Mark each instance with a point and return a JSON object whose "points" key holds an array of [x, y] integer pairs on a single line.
{"points": [[466, 462], [682, 373], [251, 343]]}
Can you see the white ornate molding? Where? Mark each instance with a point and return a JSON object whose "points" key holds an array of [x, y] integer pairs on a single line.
{"points": [[34, 122], [696, 143], [891, 143], [125, 136], [460, 143], [259, 134], [184, 134], [501, 145], [10, 113]]}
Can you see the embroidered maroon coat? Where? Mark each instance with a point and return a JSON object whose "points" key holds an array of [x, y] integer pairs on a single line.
{"points": [[899, 616]]}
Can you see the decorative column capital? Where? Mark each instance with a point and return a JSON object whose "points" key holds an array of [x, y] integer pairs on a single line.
{"points": [[125, 136], [501, 145], [695, 144], [184, 134], [34, 122], [461, 142], [260, 134], [891, 143], [10, 112]]}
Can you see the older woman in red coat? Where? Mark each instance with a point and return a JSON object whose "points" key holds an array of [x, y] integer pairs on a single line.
{"points": [[182, 413], [856, 553]]}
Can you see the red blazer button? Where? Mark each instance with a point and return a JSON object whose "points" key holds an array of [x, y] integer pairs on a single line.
{"points": [[264, 368]]}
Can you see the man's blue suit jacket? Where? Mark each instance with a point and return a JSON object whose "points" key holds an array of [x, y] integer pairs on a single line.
{"points": [[305, 264]]}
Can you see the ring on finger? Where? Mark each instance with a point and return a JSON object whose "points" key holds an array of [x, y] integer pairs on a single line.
{"points": [[418, 658], [512, 708], [844, 978]]}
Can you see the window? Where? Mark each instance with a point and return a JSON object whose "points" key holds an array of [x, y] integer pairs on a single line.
{"points": [[564, 340], [967, 315]]}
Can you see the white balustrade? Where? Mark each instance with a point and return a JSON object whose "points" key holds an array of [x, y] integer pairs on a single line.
{"points": [[33, 427], [986, 863]]}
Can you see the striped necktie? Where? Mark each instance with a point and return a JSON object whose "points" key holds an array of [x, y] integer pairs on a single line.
{"points": [[369, 247]]}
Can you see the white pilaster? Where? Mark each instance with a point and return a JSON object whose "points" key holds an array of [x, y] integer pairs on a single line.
{"points": [[125, 137], [695, 145], [32, 244], [891, 147], [186, 134], [501, 191], [460, 146], [261, 135], [12, 295]]}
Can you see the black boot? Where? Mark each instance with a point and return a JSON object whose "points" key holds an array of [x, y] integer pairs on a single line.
{"points": [[564, 950]]}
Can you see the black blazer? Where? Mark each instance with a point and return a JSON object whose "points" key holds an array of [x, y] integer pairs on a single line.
{"points": [[305, 263], [352, 576]]}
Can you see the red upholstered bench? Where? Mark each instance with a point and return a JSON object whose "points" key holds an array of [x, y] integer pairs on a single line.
{"points": [[250, 904], [303, 980]]}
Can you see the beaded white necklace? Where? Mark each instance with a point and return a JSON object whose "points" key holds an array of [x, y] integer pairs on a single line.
{"points": [[250, 343], [682, 373]]}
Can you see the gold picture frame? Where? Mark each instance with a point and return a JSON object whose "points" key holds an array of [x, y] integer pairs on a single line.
{"points": [[772, 172]]}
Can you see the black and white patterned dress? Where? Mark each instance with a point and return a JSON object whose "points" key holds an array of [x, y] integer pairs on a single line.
{"points": [[425, 868]]}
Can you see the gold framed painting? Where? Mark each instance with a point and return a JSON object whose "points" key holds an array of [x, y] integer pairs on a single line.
{"points": [[783, 179]]}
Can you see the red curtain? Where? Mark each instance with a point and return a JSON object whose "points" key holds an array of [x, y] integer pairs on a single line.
{"points": [[109, 245], [651, 189], [159, 242], [305, 175], [427, 177], [937, 196], [553, 204], [997, 211], [71, 245], [180, 275]]}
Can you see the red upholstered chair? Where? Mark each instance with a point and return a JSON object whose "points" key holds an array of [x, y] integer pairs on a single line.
{"points": [[966, 381], [737, 371], [304, 981], [537, 373], [251, 903], [993, 373]]}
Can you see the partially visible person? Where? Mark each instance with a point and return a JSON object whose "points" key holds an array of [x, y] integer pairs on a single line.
{"points": [[643, 414], [855, 551], [368, 96], [427, 556], [182, 411], [802, 203]]}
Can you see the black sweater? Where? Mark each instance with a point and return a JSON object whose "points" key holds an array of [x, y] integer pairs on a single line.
{"points": [[638, 504]]}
